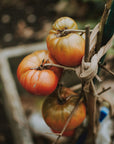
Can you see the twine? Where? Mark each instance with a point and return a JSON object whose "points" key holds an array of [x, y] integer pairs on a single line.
{"points": [[88, 70]]}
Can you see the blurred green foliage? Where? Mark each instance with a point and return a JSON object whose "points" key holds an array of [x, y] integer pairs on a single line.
{"points": [[111, 50], [92, 23]]}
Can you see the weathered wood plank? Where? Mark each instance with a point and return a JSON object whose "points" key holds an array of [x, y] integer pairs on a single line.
{"points": [[13, 107]]}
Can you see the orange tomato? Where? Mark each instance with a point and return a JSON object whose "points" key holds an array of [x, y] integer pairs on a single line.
{"points": [[68, 49], [35, 78], [56, 114]]}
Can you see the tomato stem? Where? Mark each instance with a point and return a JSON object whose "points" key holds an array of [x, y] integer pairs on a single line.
{"points": [[68, 31], [38, 68], [42, 66], [63, 99], [60, 66]]}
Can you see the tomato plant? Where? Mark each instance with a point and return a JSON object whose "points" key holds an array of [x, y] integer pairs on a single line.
{"points": [[68, 49], [36, 78], [56, 112]]}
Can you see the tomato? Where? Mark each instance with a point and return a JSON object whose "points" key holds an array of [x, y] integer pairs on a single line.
{"points": [[68, 49], [64, 23], [56, 114], [66, 133], [34, 77]]}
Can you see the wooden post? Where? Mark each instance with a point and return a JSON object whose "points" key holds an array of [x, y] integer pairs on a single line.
{"points": [[13, 107], [89, 91]]}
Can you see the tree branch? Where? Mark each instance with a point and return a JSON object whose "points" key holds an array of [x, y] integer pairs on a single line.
{"points": [[76, 87], [102, 24], [104, 90], [106, 69], [90, 93], [87, 43]]}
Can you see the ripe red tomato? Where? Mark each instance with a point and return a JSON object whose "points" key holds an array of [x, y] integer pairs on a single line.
{"points": [[39, 81], [56, 114], [67, 49]]}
